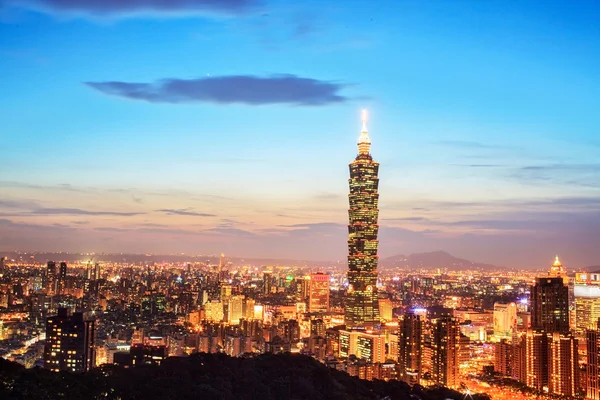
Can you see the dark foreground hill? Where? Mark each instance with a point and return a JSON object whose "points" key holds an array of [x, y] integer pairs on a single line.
{"points": [[208, 377]]}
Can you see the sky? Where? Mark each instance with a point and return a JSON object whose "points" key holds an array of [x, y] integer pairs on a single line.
{"points": [[209, 126]]}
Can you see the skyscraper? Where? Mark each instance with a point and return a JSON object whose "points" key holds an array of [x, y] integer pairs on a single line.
{"points": [[410, 352], [445, 355], [362, 308], [51, 277], [62, 277], [69, 342], [563, 374], [593, 364], [318, 294], [550, 305]]}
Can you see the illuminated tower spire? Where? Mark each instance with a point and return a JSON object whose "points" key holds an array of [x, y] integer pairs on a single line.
{"points": [[557, 269], [364, 141]]}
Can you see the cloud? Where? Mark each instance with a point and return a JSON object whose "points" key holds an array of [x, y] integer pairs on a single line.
{"points": [[472, 145], [480, 165], [18, 204], [78, 211], [242, 89], [184, 211], [134, 7], [110, 229], [406, 219]]}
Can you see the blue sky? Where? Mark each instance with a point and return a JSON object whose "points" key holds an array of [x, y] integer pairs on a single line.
{"points": [[204, 126]]}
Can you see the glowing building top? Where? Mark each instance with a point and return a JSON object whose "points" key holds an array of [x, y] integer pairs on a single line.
{"points": [[557, 269], [364, 141]]}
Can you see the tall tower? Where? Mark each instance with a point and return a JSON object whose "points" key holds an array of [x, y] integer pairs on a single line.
{"points": [[362, 308], [51, 278]]}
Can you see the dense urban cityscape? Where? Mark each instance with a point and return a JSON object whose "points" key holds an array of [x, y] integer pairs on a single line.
{"points": [[503, 332]]}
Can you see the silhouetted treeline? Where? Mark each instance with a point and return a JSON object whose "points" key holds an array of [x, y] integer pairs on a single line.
{"points": [[207, 377]]}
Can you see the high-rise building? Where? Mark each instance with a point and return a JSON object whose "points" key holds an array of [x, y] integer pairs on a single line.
{"points": [[593, 364], [50, 277], [235, 310], [503, 357], [519, 357], [318, 294], [445, 354], [97, 272], [371, 347], [505, 319], [267, 282], [386, 309], [587, 306], [410, 351], [69, 342], [550, 305], [537, 359], [89, 271], [62, 277], [361, 307], [563, 374]]}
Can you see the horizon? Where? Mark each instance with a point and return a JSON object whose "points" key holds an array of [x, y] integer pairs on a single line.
{"points": [[228, 126]]}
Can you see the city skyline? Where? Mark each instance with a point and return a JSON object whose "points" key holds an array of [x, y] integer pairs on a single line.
{"points": [[144, 144]]}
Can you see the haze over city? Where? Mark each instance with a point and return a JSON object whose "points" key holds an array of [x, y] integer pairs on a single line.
{"points": [[228, 126]]}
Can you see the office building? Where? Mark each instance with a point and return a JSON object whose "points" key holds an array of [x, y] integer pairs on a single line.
{"points": [[386, 309], [318, 297], [593, 364], [235, 309], [587, 306], [550, 305], [505, 319], [445, 352], [410, 351], [563, 374], [51, 275], [537, 360], [69, 342]]}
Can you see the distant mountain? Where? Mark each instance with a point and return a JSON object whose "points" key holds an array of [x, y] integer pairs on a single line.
{"points": [[593, 268], [433, 260]]}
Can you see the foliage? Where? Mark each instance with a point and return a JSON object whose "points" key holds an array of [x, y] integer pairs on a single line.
{"points": [[210, 377]]}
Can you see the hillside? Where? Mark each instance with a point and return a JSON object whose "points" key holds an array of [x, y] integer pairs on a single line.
{"points": [[207, 377], [433, 260]]}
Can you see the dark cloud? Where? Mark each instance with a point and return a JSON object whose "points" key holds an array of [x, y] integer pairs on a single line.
{"points": [[232, 231], [594, 168], [78, 211], [406, 219], [244, 89], [110, 229], [184, 211], [480, 165], [18, 204], [124, 7], [583, 175]]}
